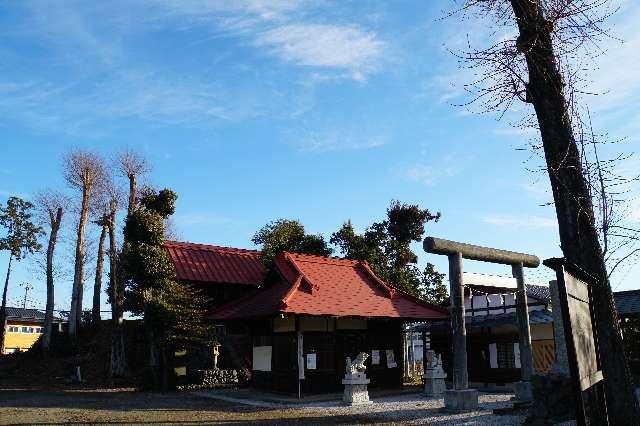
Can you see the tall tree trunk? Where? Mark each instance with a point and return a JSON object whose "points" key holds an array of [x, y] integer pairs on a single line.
{"points": [[97, 285], [116, 282], [154, 375], [3, 309], [133, 189], [77, 290], [118, 365], [574, 208], [48, 315]]}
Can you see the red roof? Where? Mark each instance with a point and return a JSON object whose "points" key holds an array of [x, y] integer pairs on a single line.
{"points": [[316, 285], [214, 264]]}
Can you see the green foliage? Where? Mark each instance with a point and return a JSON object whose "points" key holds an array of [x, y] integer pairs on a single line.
{"points": [[184, 307], [151, 281], [21, 234], [433, 288], [386, 246], [288, 235]]}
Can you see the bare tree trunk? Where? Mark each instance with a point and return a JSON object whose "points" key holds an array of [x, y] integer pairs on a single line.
{"points": [[133, 189], [3, 309], [154, 376], [97, 286], [574, 209], [118, 364], [48, 316], [76, 294]]}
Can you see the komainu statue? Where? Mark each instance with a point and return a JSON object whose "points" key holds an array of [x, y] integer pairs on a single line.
{"points": [[357, 365]]}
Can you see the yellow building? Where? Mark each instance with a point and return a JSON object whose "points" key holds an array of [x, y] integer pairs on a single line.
{"points": [[23, 327]]}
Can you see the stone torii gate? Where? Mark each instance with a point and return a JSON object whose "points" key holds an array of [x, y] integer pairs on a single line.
{"points": [[461, 398]]}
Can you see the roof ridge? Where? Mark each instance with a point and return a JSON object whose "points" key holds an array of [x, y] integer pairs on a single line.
{"points": [[210, 247], [389, 289], [325, 259]]}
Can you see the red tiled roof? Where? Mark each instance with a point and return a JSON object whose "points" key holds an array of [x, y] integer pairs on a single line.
{"points": [[316, 285], [205, 263]]}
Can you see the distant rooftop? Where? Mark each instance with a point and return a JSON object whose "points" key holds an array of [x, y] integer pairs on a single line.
{"points": [[628, 302], [14, 313]]}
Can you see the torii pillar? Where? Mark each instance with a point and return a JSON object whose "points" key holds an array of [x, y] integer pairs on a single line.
{"points": [[461, 398]]}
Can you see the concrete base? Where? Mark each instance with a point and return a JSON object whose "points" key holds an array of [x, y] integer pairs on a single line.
{"points": [[356, 395], [459, 400], [434, 387], [523, 391]]}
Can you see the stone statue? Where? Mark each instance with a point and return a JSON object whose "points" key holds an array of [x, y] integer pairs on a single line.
{"points": [[357, 366], [434, 375], [215, 353], [355, 381]]}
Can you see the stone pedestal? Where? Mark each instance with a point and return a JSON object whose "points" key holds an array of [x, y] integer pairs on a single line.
{"points": [[355, 389], [459, 400], [523, 392], [434, 376]]}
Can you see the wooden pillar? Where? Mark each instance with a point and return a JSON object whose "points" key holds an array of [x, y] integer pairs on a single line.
{"points": [[459, 338], [300, 353], [522, 313]]}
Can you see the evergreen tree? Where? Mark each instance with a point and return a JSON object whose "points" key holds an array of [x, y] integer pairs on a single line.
{"points": [[173, 313], [288, 235], [386, 245], [21, 239], [433, 288]]}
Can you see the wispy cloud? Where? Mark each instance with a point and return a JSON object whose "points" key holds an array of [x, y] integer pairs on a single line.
{"points": [[325, 46], [289, 30], [521, 221], [429, 174], [94, 76], [342, 139]]}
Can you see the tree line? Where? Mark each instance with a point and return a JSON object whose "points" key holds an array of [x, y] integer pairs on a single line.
{"points": [[141, 276]]}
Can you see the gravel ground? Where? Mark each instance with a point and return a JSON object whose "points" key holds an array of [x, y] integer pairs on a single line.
{"points": [[118, 406], [405, 409]]}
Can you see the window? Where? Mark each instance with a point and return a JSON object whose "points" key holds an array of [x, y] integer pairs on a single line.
{"points": [[25, 329], [506, 355], [13, 329]]}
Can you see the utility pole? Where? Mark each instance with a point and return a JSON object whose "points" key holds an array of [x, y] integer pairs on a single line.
{"points": [[27, 287]]}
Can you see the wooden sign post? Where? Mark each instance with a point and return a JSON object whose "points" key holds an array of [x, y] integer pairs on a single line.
{"points": [[574, 288]]}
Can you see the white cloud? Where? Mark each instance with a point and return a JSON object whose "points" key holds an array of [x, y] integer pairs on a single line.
{"points": [[287, 30], [521, 221], [327, 46]]}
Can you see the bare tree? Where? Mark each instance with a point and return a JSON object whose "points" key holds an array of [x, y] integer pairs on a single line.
{"points": [[132, 165], [83, 170], [51, 206], [541, 67]]}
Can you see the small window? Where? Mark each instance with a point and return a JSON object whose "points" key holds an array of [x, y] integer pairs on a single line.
{"points": [[31, 330], [506, 355], [25, 329], [13, 329]]}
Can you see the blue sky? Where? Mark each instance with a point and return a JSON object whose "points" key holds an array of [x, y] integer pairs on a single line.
{"points": [[315, 110]]}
